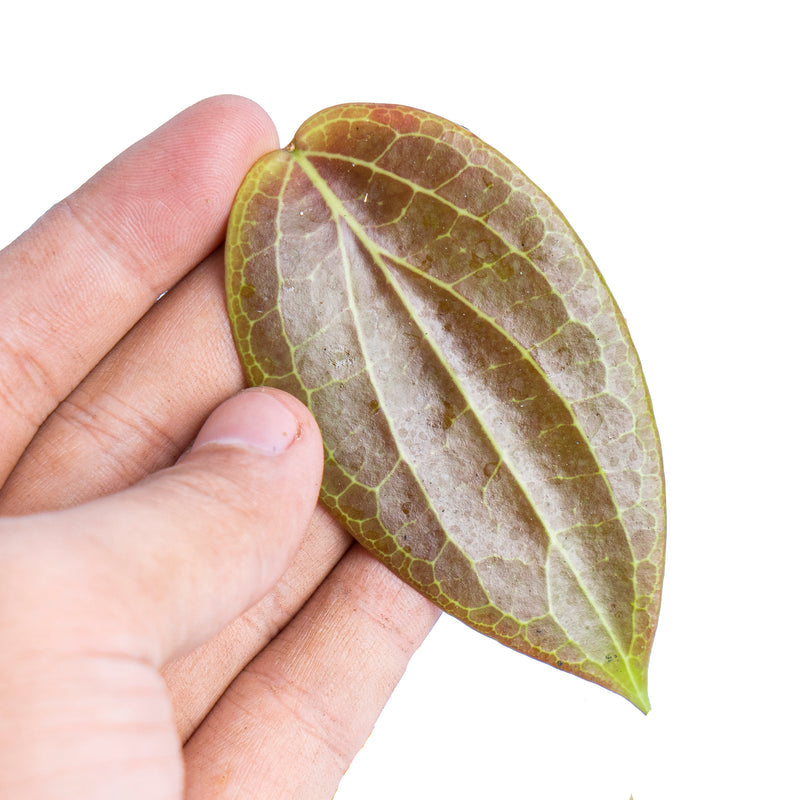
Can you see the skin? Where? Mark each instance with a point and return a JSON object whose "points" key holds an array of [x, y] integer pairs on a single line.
{"points": [[175, 620]]}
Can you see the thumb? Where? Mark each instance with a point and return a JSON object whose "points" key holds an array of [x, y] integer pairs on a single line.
{"points": [[163, 566]]}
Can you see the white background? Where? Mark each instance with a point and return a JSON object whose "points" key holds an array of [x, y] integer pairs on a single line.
{"points": [[667, 133]]}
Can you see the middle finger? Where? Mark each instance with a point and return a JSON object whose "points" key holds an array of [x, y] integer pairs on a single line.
{"points": [[140, 408]]}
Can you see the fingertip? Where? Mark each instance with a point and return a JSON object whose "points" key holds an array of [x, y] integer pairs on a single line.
{"points": [[268, 420], [254, 121]]}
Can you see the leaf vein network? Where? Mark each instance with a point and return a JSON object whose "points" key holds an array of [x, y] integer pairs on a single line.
{"points": [[379, 255]]}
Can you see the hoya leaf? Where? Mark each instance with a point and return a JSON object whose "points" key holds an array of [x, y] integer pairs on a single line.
{"points": [[488, 431]]}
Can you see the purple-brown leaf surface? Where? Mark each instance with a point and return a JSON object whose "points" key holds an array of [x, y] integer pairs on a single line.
{"points": [[488, 431]]}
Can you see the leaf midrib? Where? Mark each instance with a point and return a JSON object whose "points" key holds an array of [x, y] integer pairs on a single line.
{"points": [[340, 211]]}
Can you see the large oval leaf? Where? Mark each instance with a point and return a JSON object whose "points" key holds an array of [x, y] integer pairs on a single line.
{"points": [[488, 430]]}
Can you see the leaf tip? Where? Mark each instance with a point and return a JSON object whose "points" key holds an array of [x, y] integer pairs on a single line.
{"points": [[640, 698]]}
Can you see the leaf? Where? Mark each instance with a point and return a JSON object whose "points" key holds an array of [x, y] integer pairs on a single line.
{"points": [[488, 431]]}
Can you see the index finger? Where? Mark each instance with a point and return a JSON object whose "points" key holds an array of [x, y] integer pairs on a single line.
{"points": [[77, 280]]}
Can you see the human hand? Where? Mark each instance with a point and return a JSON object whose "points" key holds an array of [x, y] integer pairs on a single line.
{"points": [[165, 627]]}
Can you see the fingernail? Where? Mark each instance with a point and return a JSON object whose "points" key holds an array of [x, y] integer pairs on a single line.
{"points": [[254, 418]]}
